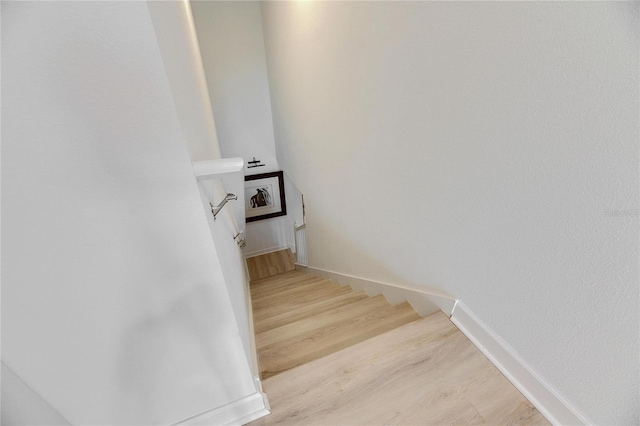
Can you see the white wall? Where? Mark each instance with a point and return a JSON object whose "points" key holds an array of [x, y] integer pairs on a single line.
{"points": [[479, 148], [114, 307], [232, 45]]}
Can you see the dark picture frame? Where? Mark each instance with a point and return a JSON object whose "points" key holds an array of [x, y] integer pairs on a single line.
{"points": [[264, 196]]}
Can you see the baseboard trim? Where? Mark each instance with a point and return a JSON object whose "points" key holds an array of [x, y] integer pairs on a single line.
{"points": [[541, 394], [239, 412], [424, 302]]}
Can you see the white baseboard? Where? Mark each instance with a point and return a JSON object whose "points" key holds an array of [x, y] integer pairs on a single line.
{"points": [[239, 412], [540, 393], [424, 302]]}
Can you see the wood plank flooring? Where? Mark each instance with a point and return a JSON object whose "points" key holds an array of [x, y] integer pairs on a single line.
{"points": [[333, 356]]}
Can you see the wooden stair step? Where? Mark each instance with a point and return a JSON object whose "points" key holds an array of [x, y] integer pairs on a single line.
{"points": [[315, 343], [423, 373], [270, 290], [305, 293], [267, 312], [274, 288], [281, 280], [275, 317], [334, 356], [342, 314]]}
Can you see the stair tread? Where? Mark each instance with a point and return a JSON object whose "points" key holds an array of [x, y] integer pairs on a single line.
{"points": [[356, 309], [330, 355], [306, 293], [292, 288], [268, 319], [269, 289], [423, 372], [281, 352], [282, 279], [299, 317]]}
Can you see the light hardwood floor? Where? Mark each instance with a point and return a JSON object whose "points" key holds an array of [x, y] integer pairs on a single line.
{"points": [[333, 356]]}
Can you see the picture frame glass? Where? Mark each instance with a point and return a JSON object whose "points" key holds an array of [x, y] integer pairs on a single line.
{"points": [[264, 196]]}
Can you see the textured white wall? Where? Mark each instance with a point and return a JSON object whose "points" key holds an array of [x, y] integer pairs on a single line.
{"points": [[489, 149], [114, 308]]}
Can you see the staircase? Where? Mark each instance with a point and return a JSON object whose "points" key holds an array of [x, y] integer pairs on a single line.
{"points": [[299, 318], [333, 356]]}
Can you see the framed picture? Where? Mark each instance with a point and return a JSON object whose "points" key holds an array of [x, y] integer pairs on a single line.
{"points": [[264, 196]]}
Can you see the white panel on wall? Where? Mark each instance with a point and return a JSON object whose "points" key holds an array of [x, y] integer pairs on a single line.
{"points": [[489, 149]]}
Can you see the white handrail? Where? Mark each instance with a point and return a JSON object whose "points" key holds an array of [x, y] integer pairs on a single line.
{"points": [[215, 169]]}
